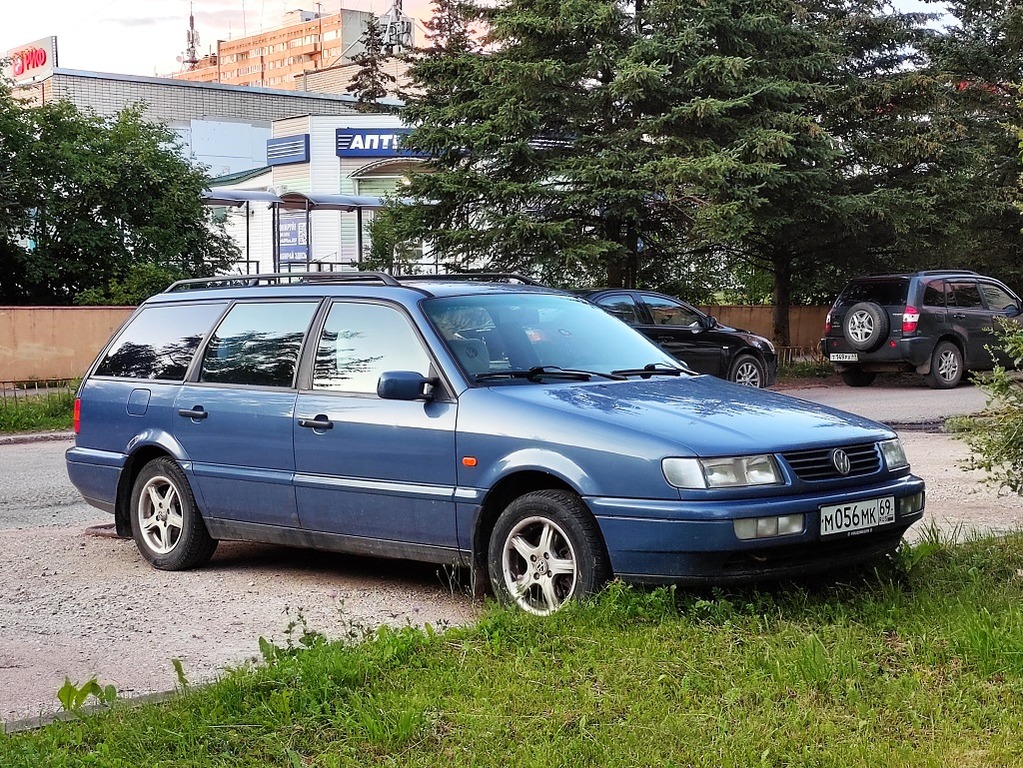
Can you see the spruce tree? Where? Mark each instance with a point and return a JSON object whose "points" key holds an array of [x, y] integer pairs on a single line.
{"points": [[371, 83]]}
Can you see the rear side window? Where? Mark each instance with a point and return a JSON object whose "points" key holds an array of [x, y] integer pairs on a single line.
{"points": [[934, 293], [258, 344], [887, 293], [160, 342], [621, 306], [965, 295]]}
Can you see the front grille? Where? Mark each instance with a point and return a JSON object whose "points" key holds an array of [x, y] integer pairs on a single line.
{"points": [[817, 464]]}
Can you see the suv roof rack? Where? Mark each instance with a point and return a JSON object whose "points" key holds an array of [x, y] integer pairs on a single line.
{"points": [[281, 278], [491, 277], [947, 272]]}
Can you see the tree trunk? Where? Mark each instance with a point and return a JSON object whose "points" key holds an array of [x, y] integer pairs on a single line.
{"points": [[782, 296], [632, 260]]}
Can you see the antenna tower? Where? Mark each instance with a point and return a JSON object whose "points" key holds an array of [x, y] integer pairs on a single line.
{"points": [[190, 57], [397, 29]]}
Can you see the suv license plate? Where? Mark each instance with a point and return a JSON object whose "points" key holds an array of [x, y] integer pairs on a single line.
{"points": [[857, 515], [844, 357]]}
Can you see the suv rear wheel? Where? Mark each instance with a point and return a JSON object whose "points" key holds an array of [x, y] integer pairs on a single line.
{"points": [[866, 326], [857, 377], [946, 366]]}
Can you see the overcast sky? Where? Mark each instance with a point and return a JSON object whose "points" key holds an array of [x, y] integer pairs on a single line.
{"points": [[145, 37]]}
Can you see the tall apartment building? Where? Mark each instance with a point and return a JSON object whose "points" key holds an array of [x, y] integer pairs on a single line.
{"points": [[275, 58]]}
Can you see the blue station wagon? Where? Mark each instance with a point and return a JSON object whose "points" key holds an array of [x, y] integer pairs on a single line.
{"points": [[519, 431]]}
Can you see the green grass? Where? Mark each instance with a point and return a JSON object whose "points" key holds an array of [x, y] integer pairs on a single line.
{"points": [[38, 411], [919, 663], [798, 370]]}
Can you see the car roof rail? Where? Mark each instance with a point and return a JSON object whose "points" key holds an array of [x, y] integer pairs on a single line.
{"points": [[947, 272], [490, 277], [281, 278]]}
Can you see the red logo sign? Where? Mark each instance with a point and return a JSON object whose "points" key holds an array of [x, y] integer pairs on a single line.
{"points": [[28, 59]]}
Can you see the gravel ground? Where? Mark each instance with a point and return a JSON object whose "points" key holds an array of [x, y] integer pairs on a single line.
{"points": [[81, 605]]}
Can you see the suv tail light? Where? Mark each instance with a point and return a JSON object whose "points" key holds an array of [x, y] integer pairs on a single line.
{"points": [[909, 320], [827, 324], [78, 415]]}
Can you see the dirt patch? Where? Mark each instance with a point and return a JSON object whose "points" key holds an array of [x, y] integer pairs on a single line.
{"points": [[80, 606]]}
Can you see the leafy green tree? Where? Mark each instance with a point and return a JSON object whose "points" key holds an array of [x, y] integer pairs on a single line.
{"points": [[15, 174], [995, 437], [102, 201], [371, 83]]}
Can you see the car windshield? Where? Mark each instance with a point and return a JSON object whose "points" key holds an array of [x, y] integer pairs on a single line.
{"points": [[541, 336]]}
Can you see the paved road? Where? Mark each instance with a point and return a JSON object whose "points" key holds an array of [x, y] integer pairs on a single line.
{"points": [[35, 490], [897, 401]]}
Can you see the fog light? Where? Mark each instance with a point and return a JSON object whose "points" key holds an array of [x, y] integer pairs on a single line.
{"points": [[909, 505], [767, 527]]}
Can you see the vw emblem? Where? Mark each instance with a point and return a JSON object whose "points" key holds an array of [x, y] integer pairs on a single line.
{"points": [[841, 461]]}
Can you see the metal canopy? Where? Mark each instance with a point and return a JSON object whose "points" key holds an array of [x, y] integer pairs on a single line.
{"points": [[227, 196], [299, 201]]}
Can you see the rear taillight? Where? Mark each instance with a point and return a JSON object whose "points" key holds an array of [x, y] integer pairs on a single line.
{"points": [[78, 415], [909, 320], [827, 324]]}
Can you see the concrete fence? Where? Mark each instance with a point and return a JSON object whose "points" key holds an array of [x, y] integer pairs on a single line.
{"points": [[41, 343]]}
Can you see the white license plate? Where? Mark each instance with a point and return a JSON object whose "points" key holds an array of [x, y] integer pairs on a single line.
{"points": [[857, 515], [844, 357]]}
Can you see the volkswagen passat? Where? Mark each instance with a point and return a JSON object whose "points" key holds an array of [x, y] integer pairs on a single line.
{"points": [[517, 430]]}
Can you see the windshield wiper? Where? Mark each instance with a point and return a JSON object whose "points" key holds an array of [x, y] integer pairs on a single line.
{"points": [[547, 371], [652, 369]]}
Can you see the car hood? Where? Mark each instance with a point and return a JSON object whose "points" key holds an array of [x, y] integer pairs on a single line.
{"points": [[705, 414]]}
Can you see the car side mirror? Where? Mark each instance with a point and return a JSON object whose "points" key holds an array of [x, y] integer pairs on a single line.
{"points": [[1012, 311], [708, 322], [404, 385]]}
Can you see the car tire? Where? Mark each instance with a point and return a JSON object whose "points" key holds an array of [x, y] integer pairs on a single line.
{"points": [[865, 326], [546, 550], [946, 366], [857, 377], [165, 521], [748, 371]]}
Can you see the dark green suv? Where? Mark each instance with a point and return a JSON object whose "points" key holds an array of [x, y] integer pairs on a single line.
{"points": [[936, 323]]}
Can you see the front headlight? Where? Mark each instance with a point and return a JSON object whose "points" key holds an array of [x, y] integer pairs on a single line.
{"points": [[894, 455], [727, 472]]}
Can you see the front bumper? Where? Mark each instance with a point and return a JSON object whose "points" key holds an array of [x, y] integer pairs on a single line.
{"points": [[664, 542]]}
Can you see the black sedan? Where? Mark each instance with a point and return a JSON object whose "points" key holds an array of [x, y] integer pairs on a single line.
{"points": [[696, 339]]}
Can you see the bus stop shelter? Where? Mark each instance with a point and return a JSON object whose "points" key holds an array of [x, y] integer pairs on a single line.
{"points": [[294, 201]]}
